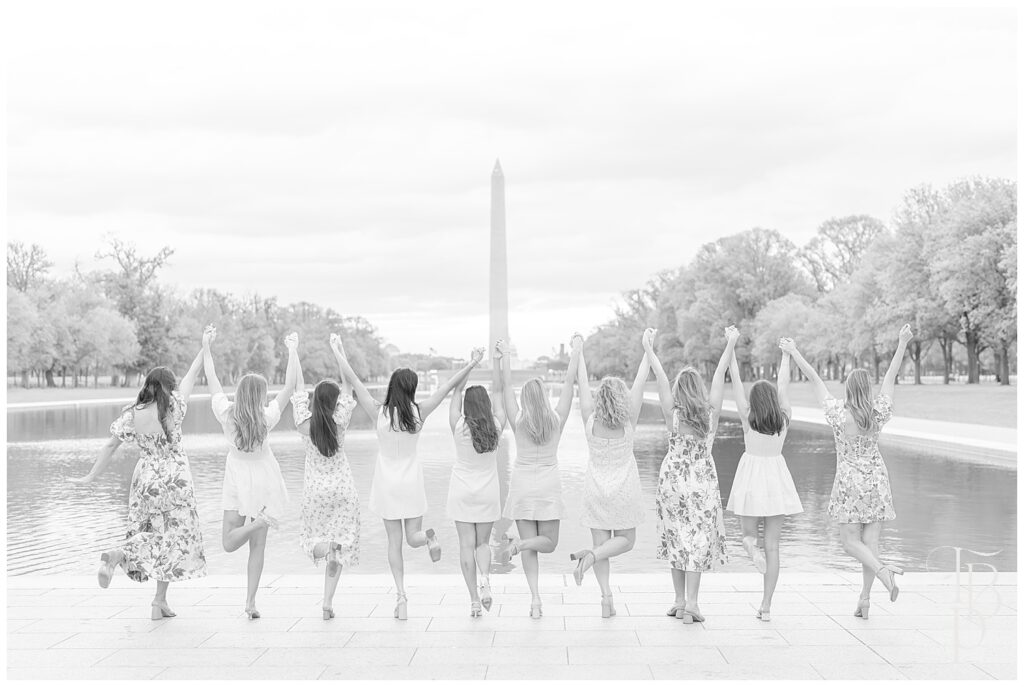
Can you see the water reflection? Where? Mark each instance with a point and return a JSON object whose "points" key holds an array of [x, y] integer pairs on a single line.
{"points": [[56, 527]]}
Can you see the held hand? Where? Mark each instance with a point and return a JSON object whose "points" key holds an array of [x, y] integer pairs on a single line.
{"points": [[648, 339], [499, 348], [337, 346], [732, 334], [477, 355], [576, 342], [906, 334], [787, 345], [291, 342], [209, 334]]}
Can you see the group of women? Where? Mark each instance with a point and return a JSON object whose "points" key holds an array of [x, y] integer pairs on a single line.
{"points": [[164, 541]]}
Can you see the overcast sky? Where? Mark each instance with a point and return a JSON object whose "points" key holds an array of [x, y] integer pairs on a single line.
{"points": [[342, 155]]}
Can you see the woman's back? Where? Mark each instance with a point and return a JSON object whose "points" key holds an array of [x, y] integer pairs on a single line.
{"points": [[223, 409], [529, 451], [395, 443], [758, 444]]}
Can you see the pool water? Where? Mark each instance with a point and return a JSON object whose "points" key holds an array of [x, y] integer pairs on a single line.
{"points": [[54, 526]]}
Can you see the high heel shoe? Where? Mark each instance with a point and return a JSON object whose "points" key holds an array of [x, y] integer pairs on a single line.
{"points": [[509, 548], [535, 610], [755, 553], [160, 610], [607, 607], [485, 595], [264, 518], [401, 608], [894, 591], [675, 610], [332, 559], [863, 607], [433, 546], [689, 617], [252, 613], [474, 610], [580, 556], [764, 616], [109, 562], [328, 613]]}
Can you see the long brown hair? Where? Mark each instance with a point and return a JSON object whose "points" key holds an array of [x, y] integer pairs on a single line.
{"points": [[160, 383], [766, 414], [248, 412], [476, 408], [323, 431], [401, 399], [859, 401], [691, 400]]}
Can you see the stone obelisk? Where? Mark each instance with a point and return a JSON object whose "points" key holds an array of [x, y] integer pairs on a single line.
{"points": [[499, 259]]}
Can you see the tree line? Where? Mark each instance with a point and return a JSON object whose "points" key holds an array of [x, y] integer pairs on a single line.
{"points": [[122, 321], [946, 264]]}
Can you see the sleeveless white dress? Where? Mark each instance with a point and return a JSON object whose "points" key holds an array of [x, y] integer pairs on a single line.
{"points": [[535, 488], [397, 491], [473, 493], [763, 485], [612, 498]]}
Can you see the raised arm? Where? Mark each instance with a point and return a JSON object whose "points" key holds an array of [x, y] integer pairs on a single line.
{"points": [[636, 393], [284, 396], [718, 381], [507, 392], [664, 386], [431, 404], [455, 407], [497, 389], [820, 390], [583, 379], [565, 398], [363, 397], [889, 381], [783, 384], [188, 382], [208, 369], [106, 453], [300, 381], [739, 393]]}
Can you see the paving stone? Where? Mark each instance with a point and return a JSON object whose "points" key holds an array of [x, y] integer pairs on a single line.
{"points": [[830, 670], [1000, 671], [342, 624], [542, 638], [576, 672], [819, 637], [758, 637], [421, 639], [55, 658], [490, 656], [797, 671], [490, 623], [242, 639], [420, 672], [872, 637], [38, 640], [342, 656], [134, 640], [216, 672], [933, 671], [700, 655], [798, 654], [45, 672], [180, 657]]}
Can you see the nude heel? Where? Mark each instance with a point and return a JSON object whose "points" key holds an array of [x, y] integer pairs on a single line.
{"points": [[895, 591], [580, 556], [401, 608], [160, 611], [863, 607], [535, 611], [607, 607], [433, 546]]}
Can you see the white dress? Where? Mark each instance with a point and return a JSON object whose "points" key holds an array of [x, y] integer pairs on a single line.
{"points": [[252, 479], [397, 491], [330, 502], [473, 493], [763, 485], [535, 488], [612, 498]]}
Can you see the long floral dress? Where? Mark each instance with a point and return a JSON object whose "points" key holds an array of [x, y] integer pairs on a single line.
{"points": [[861, 492], [330, 502], [689, 505], [164, 539]]}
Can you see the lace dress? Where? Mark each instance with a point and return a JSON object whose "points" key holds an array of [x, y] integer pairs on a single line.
{"points": [[164, 539], [612, 499], [689, 505], [861, 491], [330, 502]]}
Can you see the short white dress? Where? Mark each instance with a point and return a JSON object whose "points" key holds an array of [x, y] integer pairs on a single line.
{"points": [[535, 488], [763, 485], [252, 480], [397, 491], [612, 498], [330, 502], [473, 493]]}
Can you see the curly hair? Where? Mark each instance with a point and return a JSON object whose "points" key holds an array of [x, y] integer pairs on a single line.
{"points": [[612, 403], [691, 400]]}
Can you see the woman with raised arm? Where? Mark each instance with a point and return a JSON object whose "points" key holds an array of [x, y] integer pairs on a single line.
{"points": [[164, 539], [612, 498], [689, 505], [330, 502], [254, 495], [397, 492], [861, 497], [474, 500], [535, 488], [763, 487]]}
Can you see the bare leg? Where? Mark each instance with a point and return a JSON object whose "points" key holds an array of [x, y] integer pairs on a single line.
{"points": [[772, 534], [528, 532], [679, 585], [414, 534], [234, 531], [161, 592], [850, 534], [330, 586], [467, 556], [395, 560], [544, 539], [257, 550], [871, 533], [483, 549], [693, 587], [601, 567]]}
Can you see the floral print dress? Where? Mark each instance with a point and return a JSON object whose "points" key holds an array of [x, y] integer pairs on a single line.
{"points": [[164, 539], [691, 527], [330, 502], [861, 492]]}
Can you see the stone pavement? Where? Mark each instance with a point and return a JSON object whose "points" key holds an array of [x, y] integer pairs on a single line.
{"points": [[68, 628]]}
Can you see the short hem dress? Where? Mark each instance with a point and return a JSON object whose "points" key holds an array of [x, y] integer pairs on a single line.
{"points": [[763, 485], [397, 491], [612, 496], [535, 487], [861, 493], [474, 495]]}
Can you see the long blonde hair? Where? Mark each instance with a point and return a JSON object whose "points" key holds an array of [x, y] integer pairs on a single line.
{"points": [[612, 403], [691, 400], [859, 401], [537, 417], [248, 412]]}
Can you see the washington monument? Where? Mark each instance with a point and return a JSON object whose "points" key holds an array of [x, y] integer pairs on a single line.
{"points": [[499, 261]]}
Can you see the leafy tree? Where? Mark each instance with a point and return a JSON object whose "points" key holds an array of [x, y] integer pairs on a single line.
{"points": [[834, 254], [26, 267]]}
